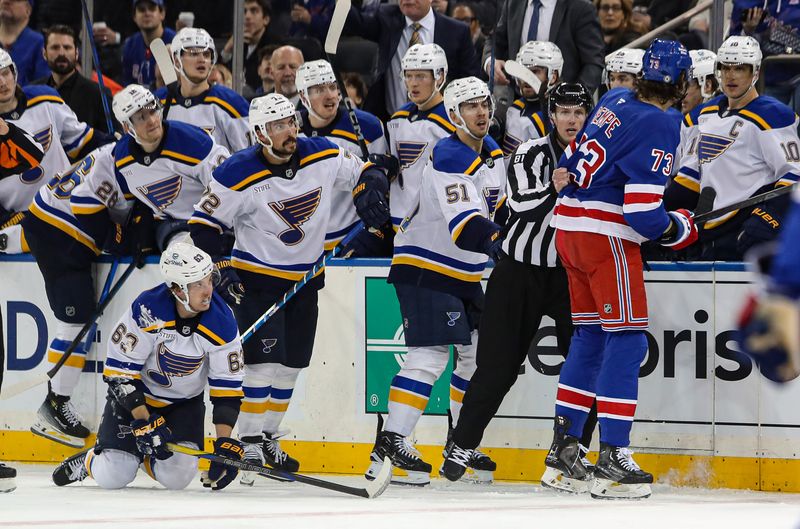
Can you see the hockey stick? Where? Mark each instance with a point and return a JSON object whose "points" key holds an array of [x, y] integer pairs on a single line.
{"points": [[340, 13], [372, 490], [164, 62], [106, 111], [319, 265], [752, 201], [25, 385], [515, 69]]}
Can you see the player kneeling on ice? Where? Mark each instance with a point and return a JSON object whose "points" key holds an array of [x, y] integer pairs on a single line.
{"points": [[172, 341], [437, 267], [615, 177]]}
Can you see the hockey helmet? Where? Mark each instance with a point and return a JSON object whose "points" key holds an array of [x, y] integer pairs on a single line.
{"points": [[626, 60], [665, 61], [131, 100], [464, 90], [266, 109], [192, 38], [426, 57], [313, 73], [570, 95], [543, 54], [703, 66], [739, 49], [7, 62], [182, 264]]}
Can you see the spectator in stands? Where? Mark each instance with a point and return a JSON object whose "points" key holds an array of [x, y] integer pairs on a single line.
{"points": [[615, 17], [79, 93], [440, 6], [21, 42], [571, 25], [466, 13], [283, 68], [138, 64], [311, 18], [395, 28], [221, 75], [264, 72], [112, 23], [257, 16], [356, 88]]}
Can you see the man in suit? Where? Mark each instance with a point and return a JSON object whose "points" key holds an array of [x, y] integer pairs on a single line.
{"points": [[395, 28], [572, 25]]}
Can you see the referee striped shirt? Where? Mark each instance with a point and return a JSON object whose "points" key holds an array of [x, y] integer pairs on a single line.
{"points": [[531, 199]]}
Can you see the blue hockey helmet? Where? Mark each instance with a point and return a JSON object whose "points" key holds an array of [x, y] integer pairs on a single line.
{"points": [[665, 61]]}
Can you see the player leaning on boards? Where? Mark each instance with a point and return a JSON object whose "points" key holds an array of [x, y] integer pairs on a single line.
{"points": [[216, 109], [277, 197], [744, 144], [418, 125], [436, 270], [172, 341], [528, 283], [611, 203]]}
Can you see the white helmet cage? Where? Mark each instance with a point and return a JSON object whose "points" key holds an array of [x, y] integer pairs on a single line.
{"points": [[703, 66], [427, 57], [464, 90], [543, 54], [313, 73], [625, 60], [189, 38], [739, 49], [7, 62], [182, 264], [266, 109], [131, 100]]}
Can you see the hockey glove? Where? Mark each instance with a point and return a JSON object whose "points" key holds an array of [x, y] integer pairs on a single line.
{"points": [[152, 436], [682, 231], [369, 198], [230, 287], [493, 247], [119, 241], [762, 226], [218, 476], [388, 163], [769, 331]]}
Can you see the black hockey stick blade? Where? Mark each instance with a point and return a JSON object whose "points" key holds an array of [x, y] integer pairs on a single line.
{"points": [[752, 201], [372, 490], [705, 202]]}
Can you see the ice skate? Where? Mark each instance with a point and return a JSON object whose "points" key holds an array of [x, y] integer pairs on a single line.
{"points": [[72, 469], [565, 470], [617, 476], [277, 458], [253, 454], [408, 468], [8, 477], [58, 421]]}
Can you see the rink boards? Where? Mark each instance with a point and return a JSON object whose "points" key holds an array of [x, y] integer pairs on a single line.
{"points": [[704, 418]]}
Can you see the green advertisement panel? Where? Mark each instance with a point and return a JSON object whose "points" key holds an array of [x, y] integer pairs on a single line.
{"points": [[386, 350]]}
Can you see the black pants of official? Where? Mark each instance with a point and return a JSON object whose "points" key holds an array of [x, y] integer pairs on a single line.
{"points": [[517, 297]]}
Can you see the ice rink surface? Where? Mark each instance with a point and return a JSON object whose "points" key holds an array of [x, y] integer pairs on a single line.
{"points": [[442, 505]]}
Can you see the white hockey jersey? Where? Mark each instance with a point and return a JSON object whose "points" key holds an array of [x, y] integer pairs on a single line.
{"points": [[176, 358], [738, 152], [524, 121], [341, 133], [413, 134], [43, 114], [280, 214], [220, 111], [457, 185], [170, 180]]}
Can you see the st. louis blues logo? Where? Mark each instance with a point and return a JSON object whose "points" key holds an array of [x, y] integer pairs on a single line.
{"points": [[173, 365], [408, 152], [490, 195], [162, 193], [295, 212], [268, 344], [44, 137], [710, 147], [452, 317]]}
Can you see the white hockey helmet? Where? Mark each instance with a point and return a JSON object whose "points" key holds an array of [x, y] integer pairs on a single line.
{"points": [[427, 57], [543, 54], [266, 109], [626, 60], [464, 90], [703, 65], [7, 62], [131, 100], [182, 264], [739, 49], [313, 73], [192, 38]]}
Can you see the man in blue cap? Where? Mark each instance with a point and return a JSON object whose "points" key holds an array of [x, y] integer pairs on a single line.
{"points": [[138, 64]]}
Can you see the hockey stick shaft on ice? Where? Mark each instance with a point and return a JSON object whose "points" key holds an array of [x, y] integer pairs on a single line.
{"points": [[373, 489]]}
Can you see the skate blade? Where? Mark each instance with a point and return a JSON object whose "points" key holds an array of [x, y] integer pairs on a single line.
{"points": [[478, 477], [8, 485], [605, 489], [399, 476], [556, 480], [59, 437]]}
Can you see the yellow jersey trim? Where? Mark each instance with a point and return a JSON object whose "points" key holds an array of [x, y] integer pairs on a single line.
{"points": [[419, 263], [180, 157], [250, 179], [224, 104]]}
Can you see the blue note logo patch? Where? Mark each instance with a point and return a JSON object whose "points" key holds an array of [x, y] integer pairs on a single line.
{"points": [[408, 152], [295, 212], [490, 195], [171, 364], [452, 317], [268, 344], [711, 147], [44, 137], [162, 193]]}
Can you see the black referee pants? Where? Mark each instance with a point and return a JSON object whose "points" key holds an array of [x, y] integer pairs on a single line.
{"points": [[517, 297]]}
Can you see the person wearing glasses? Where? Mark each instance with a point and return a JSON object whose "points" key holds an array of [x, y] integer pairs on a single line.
{"points": [[615, 21]]}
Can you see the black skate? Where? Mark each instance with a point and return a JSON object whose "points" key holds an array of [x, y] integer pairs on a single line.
{"points": [[585, 460], [617, 476], [456, 461], [565, 470], [58, 421], [277, 458], [404, 457], [8, 477], [253, 454], [72, 469]]}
